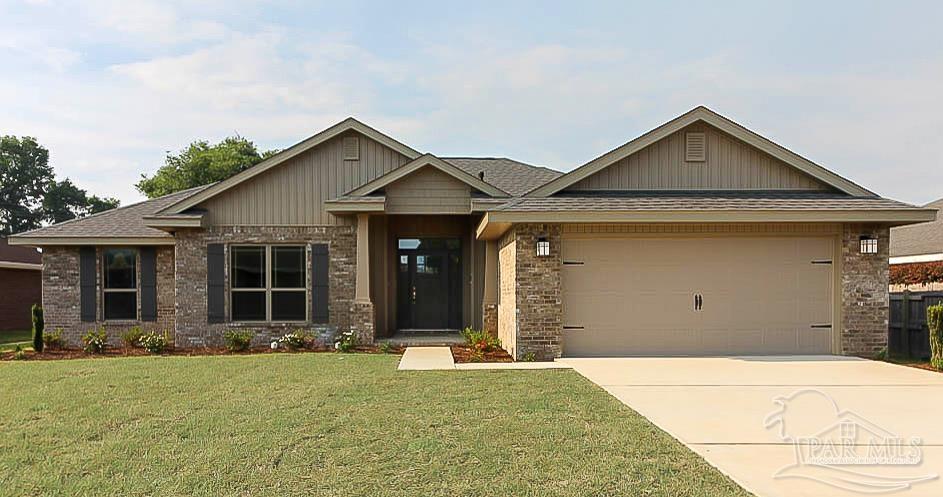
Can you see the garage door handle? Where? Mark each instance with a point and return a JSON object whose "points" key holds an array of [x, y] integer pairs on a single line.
{"points": [[698, 301]]}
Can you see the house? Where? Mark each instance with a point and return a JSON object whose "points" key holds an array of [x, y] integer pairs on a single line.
{"points": [[698, 237], [917, 254], [20, 285]]}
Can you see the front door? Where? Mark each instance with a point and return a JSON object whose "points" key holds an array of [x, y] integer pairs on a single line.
{"points": [[429, 284]]}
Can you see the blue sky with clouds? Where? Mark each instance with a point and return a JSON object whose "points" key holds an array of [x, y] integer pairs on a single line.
{"points": [[109, 86]]}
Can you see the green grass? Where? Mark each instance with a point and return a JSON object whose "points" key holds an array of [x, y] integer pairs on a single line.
{"points": [[10, 339], [326, 424]]}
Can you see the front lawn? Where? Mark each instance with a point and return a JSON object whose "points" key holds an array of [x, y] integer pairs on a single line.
{"points": [[326, 424]]}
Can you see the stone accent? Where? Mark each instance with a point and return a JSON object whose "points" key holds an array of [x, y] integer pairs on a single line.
{"points": [[62, 293], [361, 321], [537, 312], [864, 291], [192, 329], [489, 319]]}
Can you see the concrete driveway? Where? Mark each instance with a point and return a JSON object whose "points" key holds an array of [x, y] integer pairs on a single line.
{"points": [[792, 426]]}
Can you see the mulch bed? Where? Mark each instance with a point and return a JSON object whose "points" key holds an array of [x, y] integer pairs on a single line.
{"points": [[63, 354], [464, 353]]}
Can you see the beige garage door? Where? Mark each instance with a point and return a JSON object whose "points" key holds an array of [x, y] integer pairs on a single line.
{"points": [[697, 296]]}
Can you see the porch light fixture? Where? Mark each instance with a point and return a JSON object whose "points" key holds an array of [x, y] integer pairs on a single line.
{"points": [[869, 245], [543, 247]]}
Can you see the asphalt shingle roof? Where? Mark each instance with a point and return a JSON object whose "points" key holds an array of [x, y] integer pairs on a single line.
{"points": [[127, 221], [919, 239], [701, 201], [514, 177]]}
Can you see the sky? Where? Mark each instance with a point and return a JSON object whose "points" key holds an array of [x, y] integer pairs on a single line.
{"points": [[109, 87]]}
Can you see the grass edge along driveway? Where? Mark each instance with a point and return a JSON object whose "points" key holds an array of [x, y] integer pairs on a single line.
{"points": [[327, 424]]}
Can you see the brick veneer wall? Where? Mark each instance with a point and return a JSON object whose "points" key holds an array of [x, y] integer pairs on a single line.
{"points": [[62, 293], [192, 328], [864, 291], [507, 293], [20, 288]]}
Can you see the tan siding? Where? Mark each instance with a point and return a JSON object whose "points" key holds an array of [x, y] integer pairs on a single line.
{"points": [[428, 191], [294, 192], [730, 165]]}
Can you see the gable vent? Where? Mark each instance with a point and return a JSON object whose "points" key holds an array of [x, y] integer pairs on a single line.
{"points": [[695, 147], [351, 148]]}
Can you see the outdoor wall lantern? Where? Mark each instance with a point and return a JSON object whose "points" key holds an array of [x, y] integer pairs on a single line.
{"points": [[543, 246], [869, 245]]}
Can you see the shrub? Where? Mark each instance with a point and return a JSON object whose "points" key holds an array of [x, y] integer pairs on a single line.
{"points": [[347, 342], [530, 357], [153, 342], [18, 353], [881, 355], [238, 340], [53, 340], [295, 340], [385, 347], [935, 323], [95, 341], [480, 341], [131, 337], [39, 324]]}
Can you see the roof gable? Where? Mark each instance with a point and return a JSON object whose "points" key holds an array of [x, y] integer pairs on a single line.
{"points": [[706, 116], [428, 160], [345, 126]]}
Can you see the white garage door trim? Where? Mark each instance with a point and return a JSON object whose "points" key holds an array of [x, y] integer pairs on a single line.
{"points": [[831, 344]]}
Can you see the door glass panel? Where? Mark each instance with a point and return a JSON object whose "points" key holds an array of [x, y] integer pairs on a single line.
{"points": [[409, 243]]}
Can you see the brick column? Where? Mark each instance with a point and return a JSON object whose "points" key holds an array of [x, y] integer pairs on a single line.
{"points": [[539, 292], [864, 291]]}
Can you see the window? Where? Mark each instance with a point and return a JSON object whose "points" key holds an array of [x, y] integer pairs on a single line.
{"points": [[268, 283], [120, 284]]}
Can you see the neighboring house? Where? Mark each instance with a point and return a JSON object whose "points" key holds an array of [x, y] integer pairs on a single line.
{"points": [[917, 254], [20, 285], [698, 237]]}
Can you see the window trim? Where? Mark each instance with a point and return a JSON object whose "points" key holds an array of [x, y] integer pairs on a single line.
{"points": [[268, 288], [137, 285]]}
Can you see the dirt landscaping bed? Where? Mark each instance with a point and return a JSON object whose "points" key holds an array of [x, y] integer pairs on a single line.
{"points": [[465, 353], [64, 353]]}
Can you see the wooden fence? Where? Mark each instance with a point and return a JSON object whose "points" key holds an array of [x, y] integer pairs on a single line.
{"points": [[907, 333]]}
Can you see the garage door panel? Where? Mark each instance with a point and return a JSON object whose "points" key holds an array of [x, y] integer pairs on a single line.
{"points": [[635, 296]]}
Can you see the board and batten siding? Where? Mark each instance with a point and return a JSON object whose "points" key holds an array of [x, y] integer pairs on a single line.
{"points": [[294, 193], [428, 191], [730, 165]]}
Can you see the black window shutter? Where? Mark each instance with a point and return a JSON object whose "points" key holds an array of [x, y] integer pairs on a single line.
{"points": [[319, 283], [215, 261], [87, 274], [148, 284]]}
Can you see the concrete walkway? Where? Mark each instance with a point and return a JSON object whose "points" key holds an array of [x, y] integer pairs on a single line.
{"points": [[440, 358], [766, 421]]}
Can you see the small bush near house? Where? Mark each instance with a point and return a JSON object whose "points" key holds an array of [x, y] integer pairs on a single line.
{"points": [[131, 337], [238, 340], [19, 354], [530, 357], [935, 324], [347, 342], [385, 347], [153, 342], [881, 355], [95, 341], [53, 340], [480, 341], [296, 340], [39, 324]]}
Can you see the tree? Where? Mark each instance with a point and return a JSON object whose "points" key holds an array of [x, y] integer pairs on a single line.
{"points": [[29, 193], [24, 175], [64, 201], [201, 164]]}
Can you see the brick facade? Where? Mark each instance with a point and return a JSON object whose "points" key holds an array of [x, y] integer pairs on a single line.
{"points": [[864, 295], [21, 288], [192, 327], [489, 319], [537, 292], [62, 293]]}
